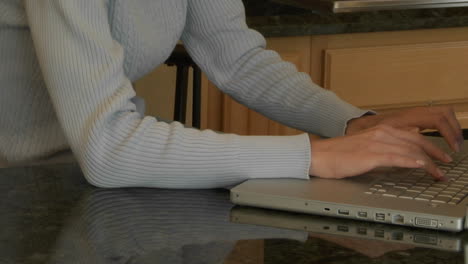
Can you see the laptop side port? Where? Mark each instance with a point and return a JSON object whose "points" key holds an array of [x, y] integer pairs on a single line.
{"points": [[362, 214], [343, 212], [380, 216], [398, 219]]}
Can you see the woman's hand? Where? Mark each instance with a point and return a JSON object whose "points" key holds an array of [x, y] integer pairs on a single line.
{"points": [[380, 146], [415, 119]]}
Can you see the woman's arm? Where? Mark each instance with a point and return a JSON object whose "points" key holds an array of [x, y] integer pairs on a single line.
{"points": [[117, 147], [234, 58]]}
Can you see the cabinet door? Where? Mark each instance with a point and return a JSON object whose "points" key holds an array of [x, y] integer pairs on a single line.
{"points": [[221, 113], [393, 70]]}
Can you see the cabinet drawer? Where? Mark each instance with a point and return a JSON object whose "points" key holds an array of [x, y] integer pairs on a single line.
{"points": [[399, 76]]}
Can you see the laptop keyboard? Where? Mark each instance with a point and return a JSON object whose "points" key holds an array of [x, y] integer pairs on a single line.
{"points": [[418, 185]]}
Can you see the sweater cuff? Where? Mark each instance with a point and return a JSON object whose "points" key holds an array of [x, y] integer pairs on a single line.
{"points": [[337, 113], [274, 156]]}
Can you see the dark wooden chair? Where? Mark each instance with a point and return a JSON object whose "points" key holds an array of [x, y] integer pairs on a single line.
{"points": [[181, 59]]}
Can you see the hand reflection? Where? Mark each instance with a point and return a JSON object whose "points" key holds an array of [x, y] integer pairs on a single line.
{"points": [[155, 226]]}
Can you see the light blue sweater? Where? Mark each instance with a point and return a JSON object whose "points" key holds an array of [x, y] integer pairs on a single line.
{"points": [[66, 71]]}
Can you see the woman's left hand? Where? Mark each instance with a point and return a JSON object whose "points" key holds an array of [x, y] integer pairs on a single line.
{"points": [[415, 119]]}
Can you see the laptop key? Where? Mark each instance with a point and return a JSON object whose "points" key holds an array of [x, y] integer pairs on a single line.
{"points": [[448, 192], [462, 181], [422, 184], [441, 199], [445, 195], [408, 195], [422, 198], [440, 185], [392, 192], [426, 196], [430, 193]]}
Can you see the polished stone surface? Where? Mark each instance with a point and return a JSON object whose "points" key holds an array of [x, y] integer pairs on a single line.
{"points": [[277, 18], [49, 214]]}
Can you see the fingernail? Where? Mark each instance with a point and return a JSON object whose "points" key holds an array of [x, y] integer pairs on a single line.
{"points": [[421, 163], [457, 147], [443, 179], [448, 158], [440, 173]]}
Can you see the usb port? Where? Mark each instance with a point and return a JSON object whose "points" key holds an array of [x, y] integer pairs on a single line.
{"points": [[380, 216], [362, 214], [343, 212]]}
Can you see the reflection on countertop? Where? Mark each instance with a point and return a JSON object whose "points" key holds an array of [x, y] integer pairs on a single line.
{"points": [[49, 214], [277, 18]]}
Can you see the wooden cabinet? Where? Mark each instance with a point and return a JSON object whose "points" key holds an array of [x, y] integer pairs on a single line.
{"points": [[383, 71]]}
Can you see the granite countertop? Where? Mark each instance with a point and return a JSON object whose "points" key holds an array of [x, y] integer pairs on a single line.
{"points": [[277, 18], [49, 214]]}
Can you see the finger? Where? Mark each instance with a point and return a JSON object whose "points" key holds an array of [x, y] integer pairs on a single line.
{"points": [[405, 138], [427, 146], [397, 160], [443, 119], [431, 168], [413, 129], [452, 118], [399, 152], [450, 134]]}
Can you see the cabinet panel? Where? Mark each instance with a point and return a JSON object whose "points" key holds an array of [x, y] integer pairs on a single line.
{"points": [[394, 76]]}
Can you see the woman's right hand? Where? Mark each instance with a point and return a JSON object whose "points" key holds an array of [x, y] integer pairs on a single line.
{"points": [[380, 146]]}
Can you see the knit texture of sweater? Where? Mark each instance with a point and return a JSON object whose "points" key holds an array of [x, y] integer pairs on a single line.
{"points": [[66, 68]]}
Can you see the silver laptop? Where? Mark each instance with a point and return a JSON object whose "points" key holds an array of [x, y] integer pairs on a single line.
{"points": [[395, 196]]}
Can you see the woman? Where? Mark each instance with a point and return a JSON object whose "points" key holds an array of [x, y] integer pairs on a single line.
{"points": [[66, 73]]}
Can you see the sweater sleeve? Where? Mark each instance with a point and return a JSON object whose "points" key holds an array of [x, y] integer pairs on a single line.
{"points": [[82, 66], [234, 58]]}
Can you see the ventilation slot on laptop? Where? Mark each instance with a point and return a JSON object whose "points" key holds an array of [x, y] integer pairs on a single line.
{"points": [[419, 221]]}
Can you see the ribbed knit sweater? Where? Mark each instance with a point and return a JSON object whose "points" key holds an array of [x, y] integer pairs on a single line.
{"points": [[66, 68]]}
